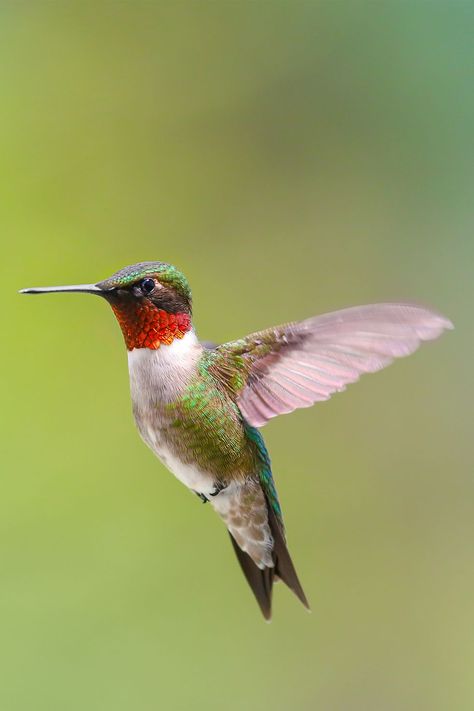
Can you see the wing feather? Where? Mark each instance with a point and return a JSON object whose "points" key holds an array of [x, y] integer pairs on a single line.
{"points": [[298, 364]]}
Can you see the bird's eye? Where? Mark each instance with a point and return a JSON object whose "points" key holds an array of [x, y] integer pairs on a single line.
{"points": [[147, 285]]}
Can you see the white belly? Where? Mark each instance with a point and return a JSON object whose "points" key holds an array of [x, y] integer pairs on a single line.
{"points": [[188, 474], [157, 377]]}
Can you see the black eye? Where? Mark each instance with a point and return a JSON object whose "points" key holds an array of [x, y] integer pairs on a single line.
{"points": [[147, 285]]}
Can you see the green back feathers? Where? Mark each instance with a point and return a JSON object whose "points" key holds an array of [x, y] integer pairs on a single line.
{"points": [[265, 471], [232, 373]]}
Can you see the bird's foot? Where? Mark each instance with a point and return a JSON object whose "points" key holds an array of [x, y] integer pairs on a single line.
{"points": [[218, 488], [203, 497]]}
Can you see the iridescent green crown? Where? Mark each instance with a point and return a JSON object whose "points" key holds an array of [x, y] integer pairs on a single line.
{"points": [[166, 273]]}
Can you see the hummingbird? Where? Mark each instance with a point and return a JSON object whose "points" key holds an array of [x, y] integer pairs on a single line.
{"points": [[200, 407]]}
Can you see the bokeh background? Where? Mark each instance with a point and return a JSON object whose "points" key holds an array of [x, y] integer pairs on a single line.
{"points": [[290, 158]]}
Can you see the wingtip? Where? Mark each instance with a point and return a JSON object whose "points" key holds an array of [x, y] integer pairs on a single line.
{"points": [[432, 314], [443, 321], [442, 324]]}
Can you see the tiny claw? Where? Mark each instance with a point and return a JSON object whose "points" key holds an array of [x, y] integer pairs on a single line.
{"points": [[218, 488]]}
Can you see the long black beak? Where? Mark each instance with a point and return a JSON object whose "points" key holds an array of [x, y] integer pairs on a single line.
{"points": [[76, 288]]}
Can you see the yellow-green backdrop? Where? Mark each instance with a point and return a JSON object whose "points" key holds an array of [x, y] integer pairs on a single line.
{"points": [[291, 158]]}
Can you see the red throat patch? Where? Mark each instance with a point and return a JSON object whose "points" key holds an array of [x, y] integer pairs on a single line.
{"points": [[145, 326]]}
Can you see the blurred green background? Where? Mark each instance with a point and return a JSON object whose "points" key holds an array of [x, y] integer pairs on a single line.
{"points": [[290, 158]]}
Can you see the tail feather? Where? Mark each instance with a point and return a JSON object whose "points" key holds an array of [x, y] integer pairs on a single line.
{"points": [[261, 580], [284, 568]]}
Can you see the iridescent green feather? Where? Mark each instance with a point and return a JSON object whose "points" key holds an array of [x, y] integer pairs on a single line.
{"points": [[233, 361], [167, 273], [207, 422], [265, 471]]}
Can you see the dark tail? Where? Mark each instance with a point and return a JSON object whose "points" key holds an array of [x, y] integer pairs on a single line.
{"points": [[261, 581]]}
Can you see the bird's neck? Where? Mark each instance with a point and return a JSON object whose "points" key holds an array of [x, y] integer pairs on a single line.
{"points": [[146, 326], [160, 376]]}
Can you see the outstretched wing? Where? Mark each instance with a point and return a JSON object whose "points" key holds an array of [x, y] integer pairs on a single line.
{"points": [[297, 364]]}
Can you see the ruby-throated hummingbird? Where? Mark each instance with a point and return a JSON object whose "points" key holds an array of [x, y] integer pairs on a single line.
{"points": [[199, 407]]}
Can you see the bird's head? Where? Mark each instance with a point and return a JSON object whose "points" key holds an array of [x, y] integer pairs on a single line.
{"points": [[151, 300]]}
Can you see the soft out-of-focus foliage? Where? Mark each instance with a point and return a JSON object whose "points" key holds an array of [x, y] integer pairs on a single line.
{"points": [[290, 158]]}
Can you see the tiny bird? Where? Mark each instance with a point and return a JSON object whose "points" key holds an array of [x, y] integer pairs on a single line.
{"points": [[199, 407]]}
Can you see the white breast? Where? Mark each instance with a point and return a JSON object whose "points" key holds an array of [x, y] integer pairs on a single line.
{"points": [[158, 377]]}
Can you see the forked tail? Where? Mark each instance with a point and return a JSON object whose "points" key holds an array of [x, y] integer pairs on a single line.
{"points": [[261, 580]]}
